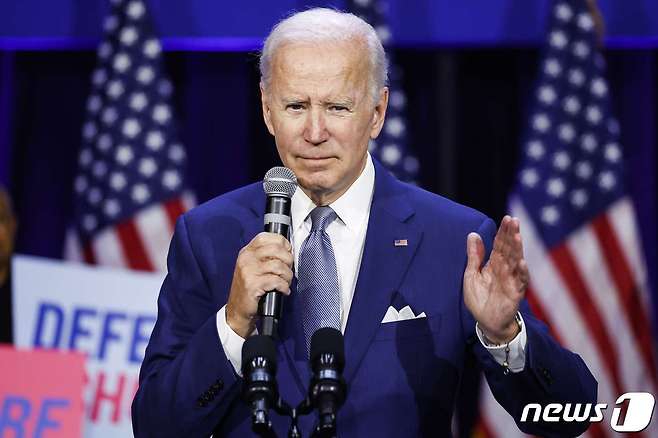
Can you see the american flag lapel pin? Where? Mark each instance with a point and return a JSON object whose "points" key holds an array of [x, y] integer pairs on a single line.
{"points": [[400, 242]]}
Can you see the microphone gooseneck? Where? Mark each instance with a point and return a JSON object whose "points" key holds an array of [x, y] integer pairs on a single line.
{"points": [[279, 185]]}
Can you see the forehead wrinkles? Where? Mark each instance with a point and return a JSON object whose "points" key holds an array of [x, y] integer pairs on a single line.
{"points": [[324, 69]]}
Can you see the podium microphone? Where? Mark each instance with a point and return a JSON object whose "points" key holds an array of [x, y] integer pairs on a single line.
{"points": [[260, 388], [279, 185], [328, 389]]}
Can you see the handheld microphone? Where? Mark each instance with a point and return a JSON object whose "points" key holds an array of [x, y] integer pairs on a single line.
{"points": [[328, 390], [260, 388], [279, 185]]}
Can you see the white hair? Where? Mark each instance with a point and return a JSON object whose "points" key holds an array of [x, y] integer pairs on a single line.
{"points": [[326, 25]]}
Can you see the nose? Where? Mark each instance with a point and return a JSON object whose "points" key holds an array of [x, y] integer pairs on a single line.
{"points": [[315, 130]]}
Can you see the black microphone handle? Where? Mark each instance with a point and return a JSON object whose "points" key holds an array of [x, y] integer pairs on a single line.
{"points": [[277, 220]]}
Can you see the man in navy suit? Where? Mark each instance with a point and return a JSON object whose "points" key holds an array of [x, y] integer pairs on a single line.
{"points": [[422, 280]]}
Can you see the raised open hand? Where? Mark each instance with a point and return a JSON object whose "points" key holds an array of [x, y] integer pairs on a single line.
{"points": [[493, 293]]}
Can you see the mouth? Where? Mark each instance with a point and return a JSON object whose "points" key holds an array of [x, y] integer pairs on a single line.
{"points": [[316, 159]]}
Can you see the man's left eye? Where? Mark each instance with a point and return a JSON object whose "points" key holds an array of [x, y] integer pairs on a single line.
{"points": [[338, 108]]}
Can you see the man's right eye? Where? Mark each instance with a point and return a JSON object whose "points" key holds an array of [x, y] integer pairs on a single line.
{"points": [[295, 106]]}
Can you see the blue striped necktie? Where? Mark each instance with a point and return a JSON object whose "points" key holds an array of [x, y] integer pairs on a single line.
{"points": [[317, 277]]}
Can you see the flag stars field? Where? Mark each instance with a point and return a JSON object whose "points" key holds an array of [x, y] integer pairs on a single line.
{"points": [[135, 9], [138, 101], [561, 160], [584, 170], [563, 12], [391, 147], [529, 178], [552, 67], [154, 140], [129, 35], [131, 128], [124, 155], [391, 154], [576, 77], [129, 151], [121, 62], [588, 142], [535, 149], [541, 123], [104, 142], [145, 75], [109, 116]]}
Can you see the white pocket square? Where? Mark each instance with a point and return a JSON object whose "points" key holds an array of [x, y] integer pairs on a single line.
{"points": [[405, 313]]}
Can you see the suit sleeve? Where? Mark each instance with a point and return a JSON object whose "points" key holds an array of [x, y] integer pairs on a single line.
{"points": [[186, 383], [552, 374]]}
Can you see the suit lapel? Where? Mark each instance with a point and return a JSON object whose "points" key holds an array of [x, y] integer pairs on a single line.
{"points": [[383, 265]]}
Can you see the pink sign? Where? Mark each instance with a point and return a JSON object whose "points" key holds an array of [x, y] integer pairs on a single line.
{"points": [[40, 393]]}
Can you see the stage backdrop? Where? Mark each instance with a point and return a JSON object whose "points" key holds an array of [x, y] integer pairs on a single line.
{"points": [[240, 25]]}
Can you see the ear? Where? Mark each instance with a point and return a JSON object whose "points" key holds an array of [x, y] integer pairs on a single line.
{"points": [[267, 111], [379, 113]]}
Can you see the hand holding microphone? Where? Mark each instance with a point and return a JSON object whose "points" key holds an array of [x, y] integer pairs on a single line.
{"points": [[264, 265]]}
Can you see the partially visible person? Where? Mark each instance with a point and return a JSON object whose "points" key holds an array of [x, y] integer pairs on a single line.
{"points": [[7, 234]]}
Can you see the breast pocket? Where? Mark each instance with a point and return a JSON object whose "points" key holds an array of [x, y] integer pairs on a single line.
{"points": [[409, 328]]}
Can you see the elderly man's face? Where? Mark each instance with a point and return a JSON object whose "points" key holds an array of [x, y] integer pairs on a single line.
{"points": [[320, 109]]}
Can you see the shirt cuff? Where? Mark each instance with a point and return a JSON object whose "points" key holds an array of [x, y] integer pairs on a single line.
{"points": [[231, 341], [516, 358]]}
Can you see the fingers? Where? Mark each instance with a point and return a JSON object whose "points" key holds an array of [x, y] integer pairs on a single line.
{"points": [[263, 265], [268, 255], [277, 267], [507, 243], [506, 261], [267, 246], [270, 282], [265, 239], [273, 252], [523, 276], [474, 253]]}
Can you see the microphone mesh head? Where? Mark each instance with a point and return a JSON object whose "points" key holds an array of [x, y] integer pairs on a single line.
{"points": [[259, 346], [280, 181], [328, 340]]}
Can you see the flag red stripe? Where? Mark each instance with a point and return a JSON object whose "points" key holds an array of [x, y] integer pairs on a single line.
{"points": [[626, 289], [133, 248], [481, 429], [539, 312], [88, 254], [174, 208], [566, 265], [595, 430]]}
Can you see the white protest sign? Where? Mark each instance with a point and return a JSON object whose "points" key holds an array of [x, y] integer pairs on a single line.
{"points": [[108, 314]]}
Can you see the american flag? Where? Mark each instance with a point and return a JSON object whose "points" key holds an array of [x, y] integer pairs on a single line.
{"points": [[581, 241], [391, 147], [129, 188]]}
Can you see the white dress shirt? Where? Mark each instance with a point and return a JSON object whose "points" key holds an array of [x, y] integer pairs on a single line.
{"points": [[348, 234]]}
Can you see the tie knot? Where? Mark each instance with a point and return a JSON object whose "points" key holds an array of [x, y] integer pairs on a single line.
{"points": [[321, 217]]}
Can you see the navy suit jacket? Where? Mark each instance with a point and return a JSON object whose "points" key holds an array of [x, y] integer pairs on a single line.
{"points": [[402, 377]]}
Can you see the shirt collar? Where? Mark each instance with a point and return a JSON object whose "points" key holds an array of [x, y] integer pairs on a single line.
{"points": [[349, 207]]}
